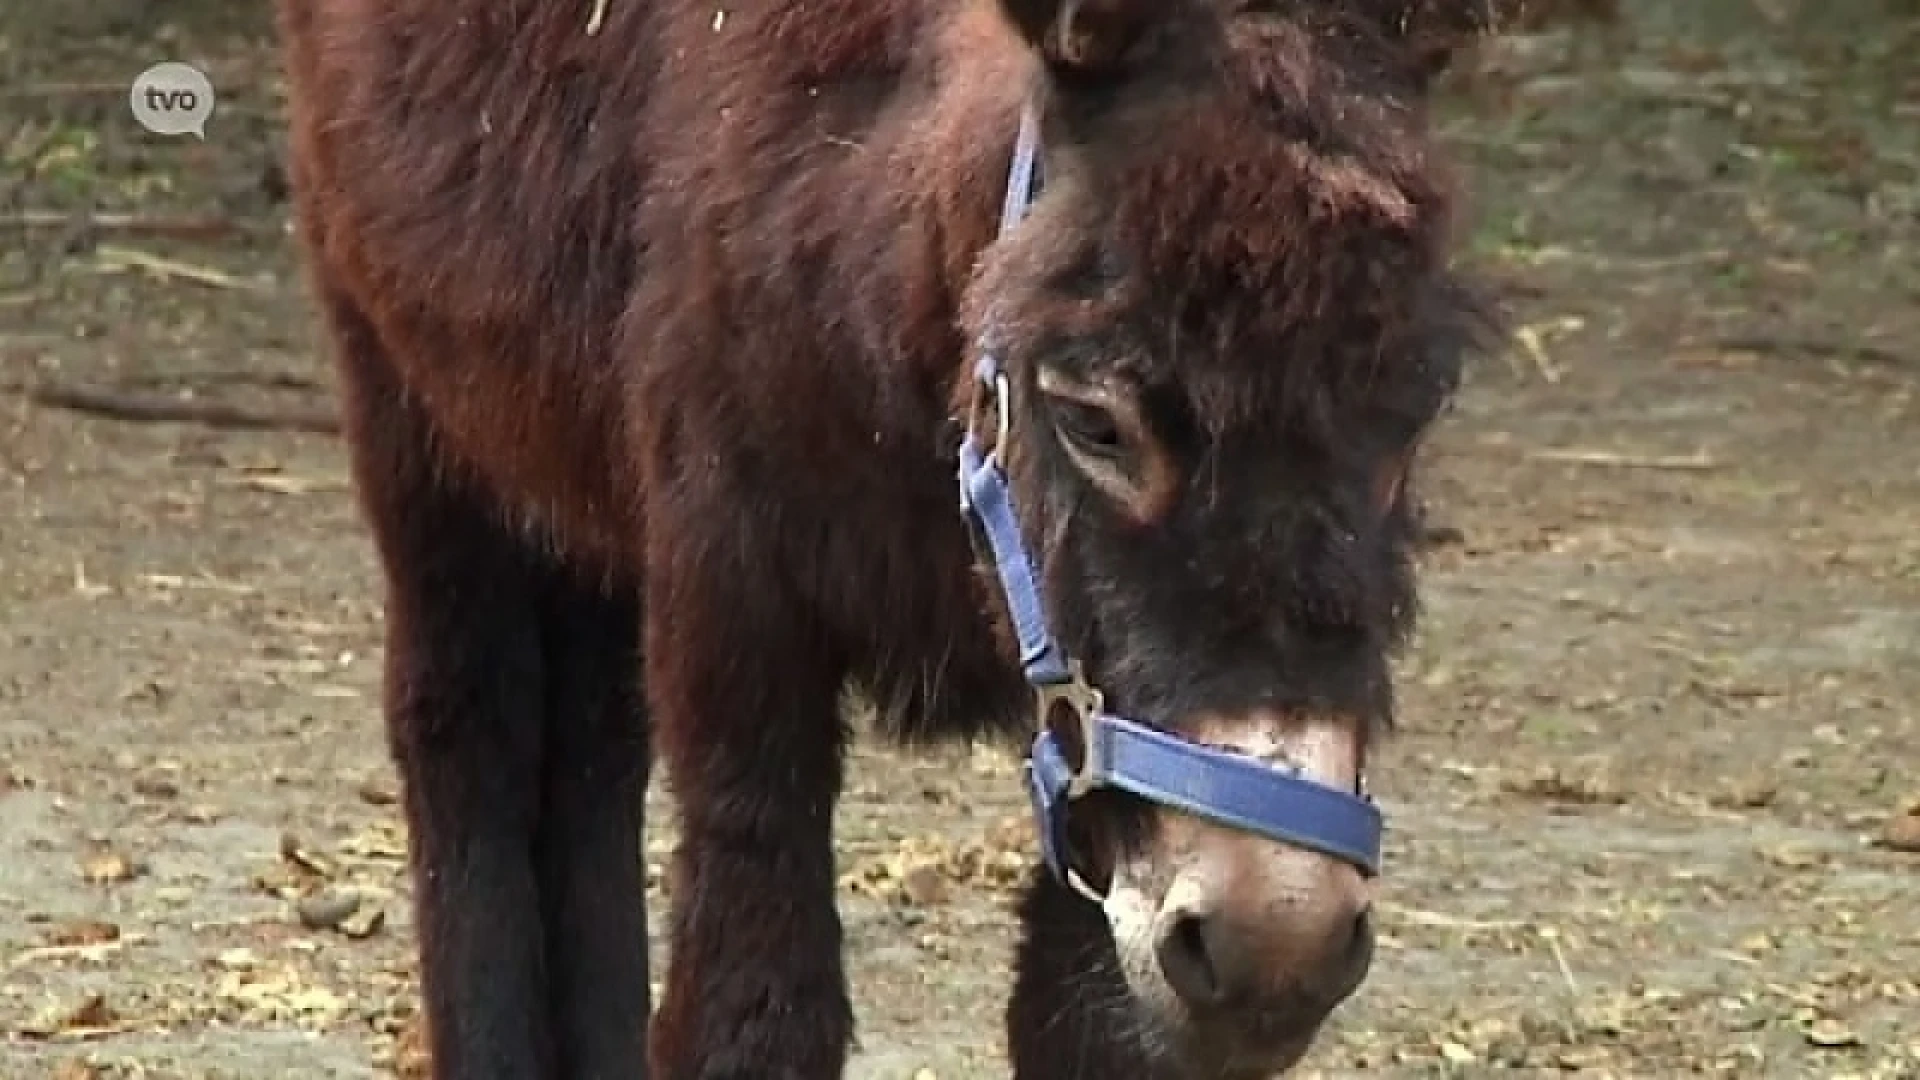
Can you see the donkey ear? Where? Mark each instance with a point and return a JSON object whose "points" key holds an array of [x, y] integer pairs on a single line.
{"points": [[1412, 18], [1431, 31], [1087, 37]]}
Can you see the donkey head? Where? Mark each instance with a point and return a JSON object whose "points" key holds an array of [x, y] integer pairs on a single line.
{"points": [[1223, 327]]}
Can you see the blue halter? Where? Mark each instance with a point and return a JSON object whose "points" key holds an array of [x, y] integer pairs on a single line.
{"points": [[1226, 787]]}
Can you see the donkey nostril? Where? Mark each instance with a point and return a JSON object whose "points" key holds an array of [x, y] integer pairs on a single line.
{"points": [[1360, 945], [1190, 961], [1360, 936]]}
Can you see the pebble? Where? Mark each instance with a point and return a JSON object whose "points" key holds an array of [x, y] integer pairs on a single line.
{"points": [[1829, 1034], [327, 909], [155, 787], [108, 868], [1902, 833], [365, 922]]}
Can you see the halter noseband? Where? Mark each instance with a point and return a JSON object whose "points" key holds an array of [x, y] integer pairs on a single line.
{"points": [[1230, 788]]}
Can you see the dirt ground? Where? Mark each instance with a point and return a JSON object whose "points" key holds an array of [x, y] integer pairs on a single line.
{"points": [[1648, 813]]}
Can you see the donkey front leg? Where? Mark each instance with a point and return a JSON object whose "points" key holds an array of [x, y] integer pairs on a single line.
{"points": [[745, 695], [1071, 1016], [587, 850], [513, 715], [464, 685]]}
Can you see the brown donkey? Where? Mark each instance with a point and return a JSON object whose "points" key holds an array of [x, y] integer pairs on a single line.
{"points": [[695, 374]]}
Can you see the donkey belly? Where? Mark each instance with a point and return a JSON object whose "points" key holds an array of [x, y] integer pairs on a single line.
{"points": [[476, 206]]}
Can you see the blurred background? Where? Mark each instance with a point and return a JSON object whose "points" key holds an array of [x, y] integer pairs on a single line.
{"points": [[1657, 804]]}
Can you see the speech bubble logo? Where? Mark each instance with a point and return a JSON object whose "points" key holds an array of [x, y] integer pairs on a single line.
{"points": [[172, 99]]}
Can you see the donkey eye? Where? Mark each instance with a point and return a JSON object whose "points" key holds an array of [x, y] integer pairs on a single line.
{"points": [[1089, 428]]}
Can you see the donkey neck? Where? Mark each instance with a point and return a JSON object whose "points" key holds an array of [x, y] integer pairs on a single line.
{"points": [[843, 190], [932, 176]]}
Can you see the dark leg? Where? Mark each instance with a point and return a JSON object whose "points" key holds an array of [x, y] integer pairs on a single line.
{"points": [[746, 699], [512, 715], [463, 710], [1070, 1014], [464, 683], [592, 877]]}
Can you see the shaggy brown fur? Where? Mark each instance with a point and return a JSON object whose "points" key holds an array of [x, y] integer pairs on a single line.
{"points": [[654, 343]]}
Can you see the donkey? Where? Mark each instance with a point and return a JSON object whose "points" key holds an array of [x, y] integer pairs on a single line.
{"points": [[1037, 368]]}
